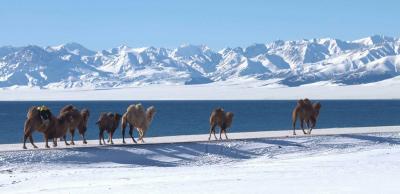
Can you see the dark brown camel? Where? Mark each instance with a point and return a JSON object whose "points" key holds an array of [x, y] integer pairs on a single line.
{"points": [[58, 128], [108, 122]]}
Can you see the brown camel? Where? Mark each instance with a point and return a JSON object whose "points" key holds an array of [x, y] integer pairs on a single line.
{"points": [[58, 128], [222, 119], [41, 119], [137, 118], [108, 122], [306, 112], [80, 119], [37, 119]]}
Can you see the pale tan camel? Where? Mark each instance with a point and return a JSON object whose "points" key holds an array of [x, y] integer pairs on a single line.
{"points": [[222, 119], [137, 118]]}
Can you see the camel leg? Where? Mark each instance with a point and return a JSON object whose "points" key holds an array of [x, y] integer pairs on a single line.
{"points": [[65, 140], [294, 126], [142, 136], [131, 133], [46, 139], [226, 137], [314, 122], [55, 142], [111, 137], [72, 131], [214, 135], [31, 140], [84, 138], [25, 137], [123, 132], [223, 128], [302, 126], [308, 125], [28, 133], [212, 128], [100, 135]]}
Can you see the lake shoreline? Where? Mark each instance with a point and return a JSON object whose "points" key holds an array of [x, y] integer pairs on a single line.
{"points": [[282, 134]]}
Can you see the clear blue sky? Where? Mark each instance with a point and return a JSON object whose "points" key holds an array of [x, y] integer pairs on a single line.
{"points": [[101, 24]]}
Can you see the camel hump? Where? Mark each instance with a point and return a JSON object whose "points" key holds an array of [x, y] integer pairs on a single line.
{"points": [[85, 112], [131, 107], [307, 101], [317, 105], [300, 102], [32, 111], [229, 114], [117, 116], [139, 106], [218, 110], [134, 107], [66, 108], [42, 108], [151, 109]]}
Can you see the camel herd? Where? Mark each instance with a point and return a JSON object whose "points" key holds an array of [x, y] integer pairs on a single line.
{"points": [[40, 118]]}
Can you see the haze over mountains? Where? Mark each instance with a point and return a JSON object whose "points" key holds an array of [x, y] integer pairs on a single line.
{"points": [[290, 63]]}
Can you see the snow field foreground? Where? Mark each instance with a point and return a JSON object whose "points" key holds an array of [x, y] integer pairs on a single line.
{"points": [[343, 163]]}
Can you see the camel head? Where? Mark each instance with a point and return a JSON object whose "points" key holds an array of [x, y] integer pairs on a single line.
{"points": [[229, 118], [150, 112], [306, 101], [316, 107], [67, 108], [117, 116], [85, 114], [66, 117], [139, 107], [229, 115], [219, 109], [300, 102]]}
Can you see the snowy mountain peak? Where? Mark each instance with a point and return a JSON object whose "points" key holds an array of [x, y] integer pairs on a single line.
{"points": [[188, 50], [290, 63], [374, 40], [73, 48]]}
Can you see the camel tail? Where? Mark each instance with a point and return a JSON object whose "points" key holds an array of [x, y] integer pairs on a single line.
{"points": [[294, 119], [123, 122]]}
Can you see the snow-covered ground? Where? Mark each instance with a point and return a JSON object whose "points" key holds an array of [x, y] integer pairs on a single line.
{"points": [[341, 163], [229, 90]]}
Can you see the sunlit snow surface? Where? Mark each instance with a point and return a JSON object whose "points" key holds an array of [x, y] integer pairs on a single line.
{"points": [[354, 163]]}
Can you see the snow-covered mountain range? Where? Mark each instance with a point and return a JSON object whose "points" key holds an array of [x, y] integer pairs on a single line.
{"points": [[290, 63]]}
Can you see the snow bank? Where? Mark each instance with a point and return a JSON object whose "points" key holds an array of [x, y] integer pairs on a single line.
{"points": [[346, 163], [243, 90]]}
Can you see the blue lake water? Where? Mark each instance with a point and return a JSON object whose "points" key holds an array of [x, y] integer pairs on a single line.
{"points": [[191, 117]]}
